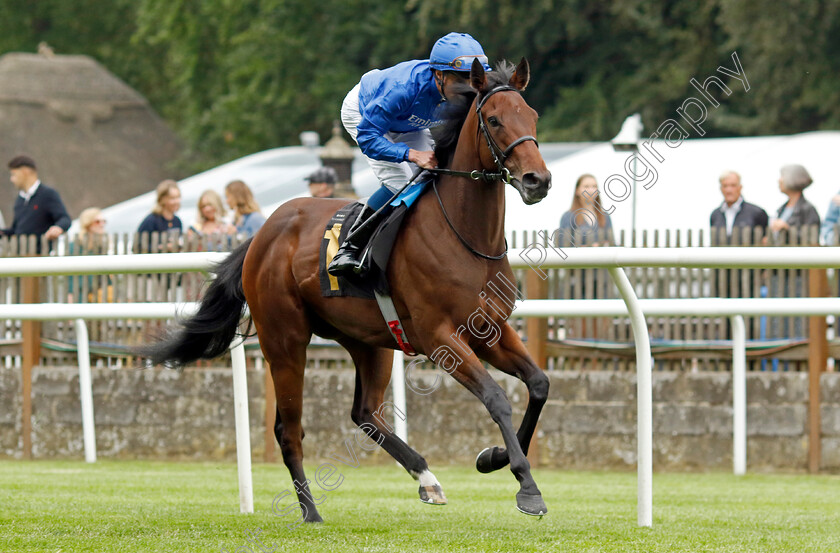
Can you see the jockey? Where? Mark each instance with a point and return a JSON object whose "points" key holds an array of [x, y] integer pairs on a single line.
{"points": [[389, 114]]}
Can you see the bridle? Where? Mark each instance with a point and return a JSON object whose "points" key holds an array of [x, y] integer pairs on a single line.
{"points": [[499, 156]]}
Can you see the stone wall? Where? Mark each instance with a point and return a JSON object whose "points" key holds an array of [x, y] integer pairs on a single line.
{"points": [[589, 421]]}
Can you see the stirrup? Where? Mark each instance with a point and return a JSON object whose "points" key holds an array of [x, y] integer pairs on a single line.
{"points": [[347, 257], [345, 260]]}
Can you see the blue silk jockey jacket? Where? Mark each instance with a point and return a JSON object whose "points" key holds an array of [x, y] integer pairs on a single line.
{"points": [[401, 99]]}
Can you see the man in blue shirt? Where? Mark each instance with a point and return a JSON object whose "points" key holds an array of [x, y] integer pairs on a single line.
{"points": [[389, 114], [832, 217]]}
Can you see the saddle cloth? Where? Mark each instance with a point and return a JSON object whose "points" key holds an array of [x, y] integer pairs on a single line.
{"points": [[376, 253]]}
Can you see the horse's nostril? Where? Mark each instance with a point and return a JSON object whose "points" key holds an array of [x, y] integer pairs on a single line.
{"points": [[530, 180], [535, 181]]}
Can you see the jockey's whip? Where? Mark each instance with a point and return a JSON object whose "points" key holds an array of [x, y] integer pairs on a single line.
{"points": [[417, 173]]}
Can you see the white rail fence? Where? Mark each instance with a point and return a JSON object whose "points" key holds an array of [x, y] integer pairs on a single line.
{"points": [[148, 263], [537, 257], [534, 257]]}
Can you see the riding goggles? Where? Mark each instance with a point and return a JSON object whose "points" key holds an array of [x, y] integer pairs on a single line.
{"points": [[464, 63]]}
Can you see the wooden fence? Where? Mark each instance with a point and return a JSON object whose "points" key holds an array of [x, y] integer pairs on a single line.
{"points": [[679, 343]]}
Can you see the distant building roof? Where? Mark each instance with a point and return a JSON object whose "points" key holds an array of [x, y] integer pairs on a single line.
{"points": [[95, 139], [32, 78]]}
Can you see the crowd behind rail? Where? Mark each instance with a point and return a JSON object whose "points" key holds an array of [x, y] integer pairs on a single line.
{"points": [[679, 343]]}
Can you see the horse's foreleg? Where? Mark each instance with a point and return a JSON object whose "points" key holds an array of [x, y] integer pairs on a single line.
{"points": [[370, 413], [472, 375], [510, 356]]}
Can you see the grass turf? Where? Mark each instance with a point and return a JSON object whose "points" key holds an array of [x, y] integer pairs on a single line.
{"points": [[127, 506]]}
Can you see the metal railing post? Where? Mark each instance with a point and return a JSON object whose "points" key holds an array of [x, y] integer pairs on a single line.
{"points": [[644, 395], [86, 390], [243, 427], [739, 395]]}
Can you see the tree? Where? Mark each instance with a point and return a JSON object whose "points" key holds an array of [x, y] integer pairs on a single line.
{"points": [[238, 76]]}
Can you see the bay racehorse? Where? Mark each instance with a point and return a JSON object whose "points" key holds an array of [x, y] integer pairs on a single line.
{"points": [[437, 286]]}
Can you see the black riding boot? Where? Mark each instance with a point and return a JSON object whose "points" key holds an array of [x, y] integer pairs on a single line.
{"points": [[346, 259]]}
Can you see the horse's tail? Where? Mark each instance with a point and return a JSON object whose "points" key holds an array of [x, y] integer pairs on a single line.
{"points": [[209, 332]]}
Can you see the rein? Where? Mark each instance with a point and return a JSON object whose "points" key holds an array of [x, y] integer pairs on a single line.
{"points": [[461, 238], [503, 174]]}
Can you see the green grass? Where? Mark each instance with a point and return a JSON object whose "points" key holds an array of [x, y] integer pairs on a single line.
{"points": [[70, 507]]}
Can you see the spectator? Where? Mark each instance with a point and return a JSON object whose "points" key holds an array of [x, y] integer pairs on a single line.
{"points": [[586, 224], [734, 212], [797, 211], [322, 183], [91, 229], [210, 217], [732, 217], [91, 240], [248, 219], [586, 216], [163, 218], [832, 218], [38, 208]]}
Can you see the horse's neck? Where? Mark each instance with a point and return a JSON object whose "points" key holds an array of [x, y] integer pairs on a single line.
{"points": [[475, 207]]}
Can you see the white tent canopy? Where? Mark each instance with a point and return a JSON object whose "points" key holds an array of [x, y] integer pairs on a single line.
{"points": [[684, 195], [274, 176], [687, 189]]}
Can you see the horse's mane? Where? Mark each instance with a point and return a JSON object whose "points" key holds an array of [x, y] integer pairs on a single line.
{"points": [[454, 112]]}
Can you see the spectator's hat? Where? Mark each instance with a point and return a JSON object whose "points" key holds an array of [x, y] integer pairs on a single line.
{"points": [[324, 174]]}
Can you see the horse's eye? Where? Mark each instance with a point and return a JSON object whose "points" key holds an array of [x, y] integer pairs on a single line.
{"points": [[493, 122]]}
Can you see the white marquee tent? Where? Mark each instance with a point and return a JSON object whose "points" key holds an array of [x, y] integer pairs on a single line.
{"points": [[685, 192]]}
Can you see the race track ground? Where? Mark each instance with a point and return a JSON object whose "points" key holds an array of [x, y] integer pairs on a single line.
{"points": [[129, 506]]}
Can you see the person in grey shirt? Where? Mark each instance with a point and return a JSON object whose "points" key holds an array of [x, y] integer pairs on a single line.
{"points": [[796, 211]]}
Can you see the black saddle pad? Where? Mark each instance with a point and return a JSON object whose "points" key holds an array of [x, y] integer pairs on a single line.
{"points": [[376, 253]]}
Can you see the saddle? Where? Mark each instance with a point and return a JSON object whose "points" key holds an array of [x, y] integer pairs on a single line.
{"points": [[372, 282]]}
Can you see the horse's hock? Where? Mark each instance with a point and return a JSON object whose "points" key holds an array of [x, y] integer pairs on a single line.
{"points": [[589, 421]]}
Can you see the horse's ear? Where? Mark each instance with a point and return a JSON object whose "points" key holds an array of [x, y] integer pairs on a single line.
{"points": [[478, 78], [522, 76]]}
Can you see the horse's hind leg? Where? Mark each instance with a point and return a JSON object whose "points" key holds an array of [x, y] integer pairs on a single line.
{"points": [[287, 360], [509, 355], [373, 373]]}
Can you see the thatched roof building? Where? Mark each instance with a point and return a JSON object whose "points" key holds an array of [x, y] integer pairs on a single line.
{"points": [[94, 138]]}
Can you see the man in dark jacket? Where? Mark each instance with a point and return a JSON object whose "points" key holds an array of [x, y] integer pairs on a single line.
{"points": [[734, 213], [38, 208], [732, 217]]}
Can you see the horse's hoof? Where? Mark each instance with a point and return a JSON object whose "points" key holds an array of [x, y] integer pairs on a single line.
{"points": [[490, 459], [531, 504], [314, 518], [432, 495]]}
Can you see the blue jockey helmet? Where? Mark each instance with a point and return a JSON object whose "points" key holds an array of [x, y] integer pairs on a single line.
{"points": [[456, 52]]}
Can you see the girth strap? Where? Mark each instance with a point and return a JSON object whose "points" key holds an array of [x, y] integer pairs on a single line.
{"points": [[389, 312]]}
